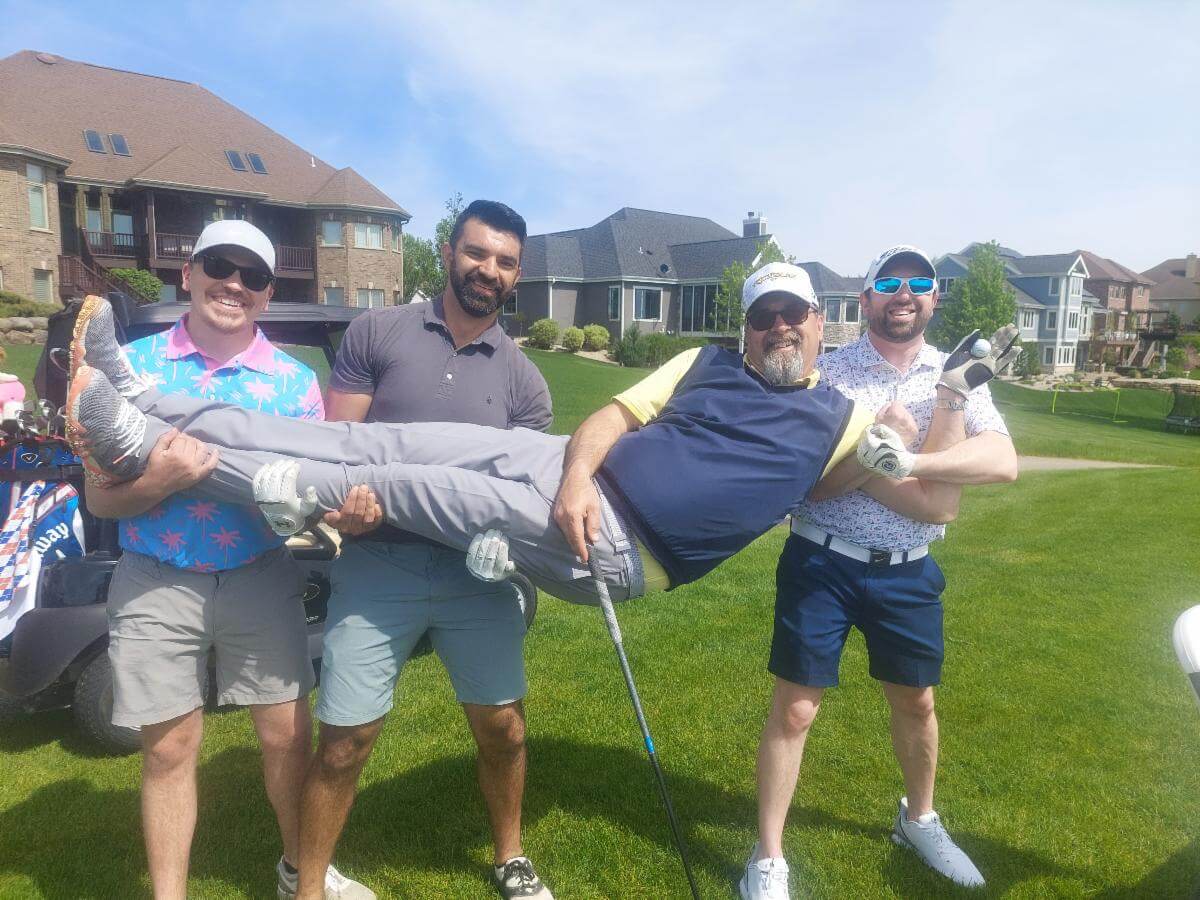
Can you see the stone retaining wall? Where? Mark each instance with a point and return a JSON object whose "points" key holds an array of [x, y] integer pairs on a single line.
{"points": [[22, 330]]}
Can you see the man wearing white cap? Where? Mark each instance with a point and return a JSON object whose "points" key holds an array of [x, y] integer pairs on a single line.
{"points": [[198, 576], [858, 558]]}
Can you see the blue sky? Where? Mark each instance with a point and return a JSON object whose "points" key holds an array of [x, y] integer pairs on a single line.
{"points": [[852, 125]]}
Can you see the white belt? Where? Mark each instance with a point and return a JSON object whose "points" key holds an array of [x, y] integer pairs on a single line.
{"points": [[862, 554]]}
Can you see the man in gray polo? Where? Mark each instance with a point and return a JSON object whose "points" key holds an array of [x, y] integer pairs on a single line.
{"points": [[444, 361]]}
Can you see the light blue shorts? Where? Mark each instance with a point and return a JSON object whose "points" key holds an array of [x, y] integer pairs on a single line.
{"points": [[385, 596]]}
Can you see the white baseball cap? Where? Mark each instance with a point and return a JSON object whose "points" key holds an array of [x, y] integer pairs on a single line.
{"points": [[900, 250], [236, 233], [778, 278]]}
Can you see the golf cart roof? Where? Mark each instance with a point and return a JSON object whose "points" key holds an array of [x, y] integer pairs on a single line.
{"points": [[288, 323]]}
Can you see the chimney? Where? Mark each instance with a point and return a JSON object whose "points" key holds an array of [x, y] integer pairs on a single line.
{"points": [[754, 225], [1191, 269]]}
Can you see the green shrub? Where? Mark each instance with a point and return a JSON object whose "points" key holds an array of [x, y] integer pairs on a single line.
{"points": [[651, 350], [572, 339], [12, 304], [595, 337], [146, 286], [543, 334], [1177, 362], [1028, 363]]}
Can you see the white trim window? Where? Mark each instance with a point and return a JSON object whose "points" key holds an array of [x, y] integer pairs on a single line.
{"points": [[368, 236], [1076, 285], [850, 311], [1053, 289], [397, 246], [510, 305], [614, 303], [946, 285], [698, 309], [647, 304], [1052, 320], [331, 234], [1047, 356], [370, 298], [335, 296], [1029, 318], [39, 209], [833, 310], [1073, 320], [43, 288]]}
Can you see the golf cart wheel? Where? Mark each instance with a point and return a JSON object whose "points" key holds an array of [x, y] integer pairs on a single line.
{"points": [[92, 707], [10, 708]]}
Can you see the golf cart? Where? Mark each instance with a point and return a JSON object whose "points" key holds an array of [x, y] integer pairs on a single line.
{"points": [[54, 627]]}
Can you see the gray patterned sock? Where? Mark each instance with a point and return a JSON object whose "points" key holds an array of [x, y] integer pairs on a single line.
{"points": [[101, 350], [115, 430]]}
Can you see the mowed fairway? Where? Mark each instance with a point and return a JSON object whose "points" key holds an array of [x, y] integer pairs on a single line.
{"points": [[1070, 758]]}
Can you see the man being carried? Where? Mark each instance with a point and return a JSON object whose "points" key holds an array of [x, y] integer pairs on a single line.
{"points": [[744, 441]]}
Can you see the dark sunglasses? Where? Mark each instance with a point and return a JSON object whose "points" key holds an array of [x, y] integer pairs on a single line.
{"points": [[763, 319], [916, 286], [219, 267]]}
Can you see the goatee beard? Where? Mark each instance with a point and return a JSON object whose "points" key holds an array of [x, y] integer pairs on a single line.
{"points": [[472, 301], [782, 367]]}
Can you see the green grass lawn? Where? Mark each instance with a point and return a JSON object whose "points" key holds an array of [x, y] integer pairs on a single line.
{"points": [[1070, 761]]}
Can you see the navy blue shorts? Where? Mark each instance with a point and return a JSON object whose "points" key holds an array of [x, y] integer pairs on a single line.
{"points": [[820, 594]]}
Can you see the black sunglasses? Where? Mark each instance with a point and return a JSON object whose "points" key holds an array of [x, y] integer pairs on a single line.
{"points": [[219, 267], [763, 319]]}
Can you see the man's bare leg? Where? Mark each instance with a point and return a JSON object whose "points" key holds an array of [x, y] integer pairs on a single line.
{"points": [[793, 709], [170, 752], [500, 736], [285, 735]]}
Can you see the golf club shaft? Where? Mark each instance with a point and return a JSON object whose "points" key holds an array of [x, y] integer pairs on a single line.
{"points": [[614, 631]]}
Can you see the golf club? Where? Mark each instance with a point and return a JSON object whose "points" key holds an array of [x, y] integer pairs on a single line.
{"points": [[614, 631]]}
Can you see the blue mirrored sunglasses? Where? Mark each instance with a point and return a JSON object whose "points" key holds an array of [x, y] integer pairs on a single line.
{"points": [[919, 285]]}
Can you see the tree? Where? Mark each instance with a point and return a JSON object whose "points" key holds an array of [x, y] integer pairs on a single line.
{"points": [[729, 313], [422, 267], [441, 232], [981, 299]]}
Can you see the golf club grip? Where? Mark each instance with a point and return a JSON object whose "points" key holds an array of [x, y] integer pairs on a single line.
{"points": [[606, 604]]}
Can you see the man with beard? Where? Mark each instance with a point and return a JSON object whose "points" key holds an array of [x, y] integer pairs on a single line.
{"points": [[443, 361], [857, 558]]}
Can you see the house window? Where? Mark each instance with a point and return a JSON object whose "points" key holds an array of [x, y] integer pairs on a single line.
{"points": [[368, 237], [647, 304], [41, 285], [235, 161], [614, 302], [396, 245], [833, 310], [370, 298], [331, 234], [1073, 320], [510, 305], [92, 139], [335, 296], [1048, 355], [945, 285], [850, 310], [698, 309], [256, 163], [1028, 318], [1053, 290], [120, 146], [39, 212], [1052, 320], [1076, 285], [93, 220]]}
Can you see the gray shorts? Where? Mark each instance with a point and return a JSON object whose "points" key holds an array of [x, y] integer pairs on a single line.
{"points": [[385, 596], [163, 622]]}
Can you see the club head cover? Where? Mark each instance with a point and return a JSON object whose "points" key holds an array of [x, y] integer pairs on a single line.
{"points": [[1187, 646]]}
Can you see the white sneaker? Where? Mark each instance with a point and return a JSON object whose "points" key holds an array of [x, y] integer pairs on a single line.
{"points": [[337, 885], [517, 879], [765, 879], [927, 837]]}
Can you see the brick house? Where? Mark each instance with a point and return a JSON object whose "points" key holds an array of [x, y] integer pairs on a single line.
{"points": [[102, 168], [1123, 314], [1176, 288], [654, 269]]}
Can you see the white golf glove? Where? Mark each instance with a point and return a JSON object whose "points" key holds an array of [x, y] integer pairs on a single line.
{"points": [[487, 557], [275, 493], [963, 371], [881, 450]]}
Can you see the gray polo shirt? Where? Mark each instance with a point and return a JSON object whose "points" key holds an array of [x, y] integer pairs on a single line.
{"points": [[405, 358]]}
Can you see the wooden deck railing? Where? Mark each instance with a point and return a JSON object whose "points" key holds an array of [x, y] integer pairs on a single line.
{"points": [[108, 243], [296, 259]]}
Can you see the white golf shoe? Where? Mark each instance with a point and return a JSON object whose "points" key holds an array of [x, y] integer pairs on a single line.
{"points": [[337, 885], [764, 879], [927, 837]]}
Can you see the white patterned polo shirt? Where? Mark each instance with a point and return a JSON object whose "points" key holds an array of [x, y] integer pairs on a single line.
{"points": [[859, 372]]}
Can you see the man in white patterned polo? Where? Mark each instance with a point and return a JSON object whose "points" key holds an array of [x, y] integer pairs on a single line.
{"points": [[853, 561]]}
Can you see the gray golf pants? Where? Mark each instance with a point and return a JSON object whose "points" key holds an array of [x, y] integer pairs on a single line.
{"points": [[444, 481]]}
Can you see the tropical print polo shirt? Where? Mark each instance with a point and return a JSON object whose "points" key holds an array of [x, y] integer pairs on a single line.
{"points": [[190, 532]]}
